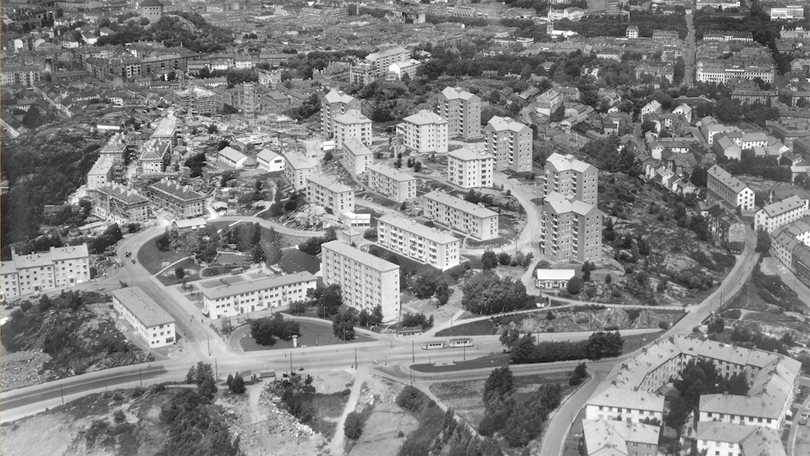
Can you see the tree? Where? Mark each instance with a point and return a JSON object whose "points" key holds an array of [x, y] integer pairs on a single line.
{"points": [[558, 114], [763, 242], [587, 267], [237, 385], [202, 374], [179, 272], [717, 325], [424, 285], [504, 259], [485, 293], [328, 156], [343, 324], [489, 260], [442, 292], [261, 330], [353, 428], [500, 384], [329, 300], [578, 374], [163, 242], [574, 286]]}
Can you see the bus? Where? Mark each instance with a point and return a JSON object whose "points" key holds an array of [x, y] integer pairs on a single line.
{"points": [[458, 343], [434, 346]]}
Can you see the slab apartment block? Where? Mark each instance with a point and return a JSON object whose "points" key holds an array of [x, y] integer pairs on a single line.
{"points": [[61, 267], [462, 110], [510, 142], [331, 194], [182, 202], [470, 167], [226, 299], [366, 281], [391, 182], [418, 242], [458, 214]]}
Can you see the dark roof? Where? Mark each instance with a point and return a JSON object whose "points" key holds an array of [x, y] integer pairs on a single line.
{"points": [[151, 3], [294, 260]]}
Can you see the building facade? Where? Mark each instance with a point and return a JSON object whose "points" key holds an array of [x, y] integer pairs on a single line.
{"points": [[118, 204], [297, 170], [61, 267], [723, 187], [510, 142], [418, 242], [458, 214], [391, 182], [254, 295], [365, 280], [470, 167], [148, 319], [357, 155], [333, 104], [462, 110], [570, 229], [330, 194], [352, 125], [180, 201], [424, 132], [568, 176], [270, 161], [780, 213]]}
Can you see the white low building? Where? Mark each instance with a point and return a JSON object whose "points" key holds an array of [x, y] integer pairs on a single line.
{"points": [[148, 319], [780, 213], [270, 161], [221, 298], [617, 404], [553, 279]]}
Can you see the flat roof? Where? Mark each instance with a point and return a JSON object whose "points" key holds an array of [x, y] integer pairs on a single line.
{"points": [[144, 308], [412, 226], [227, 290], [356, 147], [471, 152], [425, 117], [458, 203], [365, 258]]}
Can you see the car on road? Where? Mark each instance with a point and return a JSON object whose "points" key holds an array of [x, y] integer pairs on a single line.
{"points": [[803, 421], [133, 261], [128, 254]]}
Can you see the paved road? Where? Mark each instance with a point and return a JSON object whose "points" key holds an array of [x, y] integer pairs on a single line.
{"points": [[795, 428], [689, 53]]}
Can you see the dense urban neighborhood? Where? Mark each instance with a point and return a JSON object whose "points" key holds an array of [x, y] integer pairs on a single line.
{"points": [[536, 227]]}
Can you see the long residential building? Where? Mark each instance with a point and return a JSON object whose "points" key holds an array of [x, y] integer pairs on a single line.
{"points": [[780, 213], [148, 319], [418, 242], [229, 299], [297, 170], [715, 438], [118, 204], [470, 167], [357, 155], [424, 132], [619, 438], [723, 187], [458, 214], [391, 182], [61, 267], [365, 280], [180, 201], [462, 110], [352, 125], [511, 144], [615, 404], [331, 194], [334, 104], [570, 229], [568, 176]]}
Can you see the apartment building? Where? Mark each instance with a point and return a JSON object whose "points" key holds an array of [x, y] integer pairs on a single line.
{"points": [[723, 187], [155, 156], [148, 319], [780, 213], [381, 61], [787, 13], [418, 242], [424, 132], [297, 169], [331, 194], [352, 125], [391, 182], [615, 404], [357, 155], [333, 104], [566, 175], [619, 438], [118, 204], [548, 102], [226, 300], [788, 242], [510, 142], [458, 214], [717, 438], [365, 280], [61, 267], [180, 201], [270, 161], [570, 229], [723, 72], [462, 110], [197, 100], [102, 172], [470, 167]]}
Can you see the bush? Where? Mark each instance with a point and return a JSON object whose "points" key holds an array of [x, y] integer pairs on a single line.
{"points": [[119, 416], [411, 399], [353, 428], [664, 325]]}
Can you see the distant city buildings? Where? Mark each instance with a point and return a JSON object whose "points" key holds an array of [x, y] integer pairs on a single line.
{"points": [[61, 267]]}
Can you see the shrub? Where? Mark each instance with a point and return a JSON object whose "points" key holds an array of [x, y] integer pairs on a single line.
{"points": [[353, 428], [411, 399], [664, 325], [119, 416]]}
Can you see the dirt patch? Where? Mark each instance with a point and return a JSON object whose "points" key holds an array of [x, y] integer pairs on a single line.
{"points": [[22, 369], [465, 398], [386, 428], [332, 382], [50, 434]]}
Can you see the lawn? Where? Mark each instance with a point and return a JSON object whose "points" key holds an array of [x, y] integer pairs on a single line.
{"points": [[476, 328], [169, 277], [493, 361], [153, 259], [213, 271], [312, 334], [328, 408]]}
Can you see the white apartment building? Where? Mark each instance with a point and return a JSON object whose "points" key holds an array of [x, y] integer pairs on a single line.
{"points": [[424, 132], [462, 110], [331, 194], [365, 280], [381, 61], [148, 319], [252, 295], [787, 13], [458, 214], [357, 155], [391, 182], [723, 187], [511, 144], [570, 230], [566, 175], [352, 124], [61, 267], [615, 404], [717, 438], [470, 167], [780, 213], [101, 173], [333, 104], [270, 161], [418, 242], [297, 169]]}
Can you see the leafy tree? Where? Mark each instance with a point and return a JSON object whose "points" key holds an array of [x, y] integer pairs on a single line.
{"points": [[353, 427], [717, 325], [558, 114], [763, 242], [328, 156], [500, 384], [261, 330], [424, 285], [489, 260], [485, 293], [179, 272], [442, 292], [237, 385], [196, 164], [578, 374], [328, 300], [587, 267], [163, 242], [202, 374], [504, 259], [574, 286], [343, 324]]}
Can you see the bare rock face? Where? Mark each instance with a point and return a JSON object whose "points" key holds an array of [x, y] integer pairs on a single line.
{"points": [[309, 217]]}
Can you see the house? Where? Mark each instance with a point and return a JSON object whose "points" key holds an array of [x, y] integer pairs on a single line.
{"points": [[723, 146], [553, 279], [653, 107], [717, 438], [186, 225]]}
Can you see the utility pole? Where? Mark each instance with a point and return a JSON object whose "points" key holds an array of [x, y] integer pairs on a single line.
{"points": [[208, 340], [413, 353], [62, 393], [140, 376], [465, 352], [412, 376], [355, 358], [291, 371], [216, 369]]}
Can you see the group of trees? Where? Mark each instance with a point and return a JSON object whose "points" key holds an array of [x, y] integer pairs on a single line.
{"points": [[604, 25], [265, 330], [410, 320], [236, 383], [602, 153], [491, 260], [297, 394], [180, 29], [427, 285], [578, 375], [312, 246], [518, 418], [599, 345], [343, 324], [750, 164], [485, 293]]}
